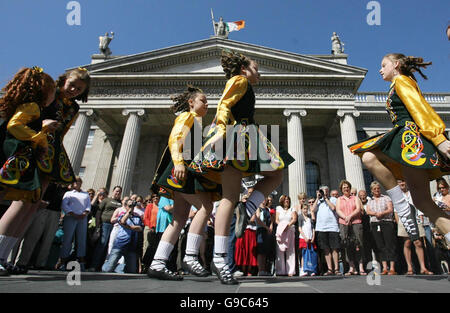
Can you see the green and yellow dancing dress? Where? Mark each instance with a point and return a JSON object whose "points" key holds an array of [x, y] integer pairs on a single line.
{"points": [[179, 152], [56, 164], [24, 141], [235, 139], [417, 132]]}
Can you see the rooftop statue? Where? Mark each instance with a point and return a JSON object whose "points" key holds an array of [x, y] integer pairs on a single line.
{"points": [[337, 47], [104, 43]]}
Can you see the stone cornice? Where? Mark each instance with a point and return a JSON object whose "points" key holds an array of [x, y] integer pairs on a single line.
{"points": [[170, 78], [283, 89], [292, 92]]}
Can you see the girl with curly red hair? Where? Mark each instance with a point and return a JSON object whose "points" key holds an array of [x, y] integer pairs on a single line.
{"points": [[24, 138], [53, 164]]}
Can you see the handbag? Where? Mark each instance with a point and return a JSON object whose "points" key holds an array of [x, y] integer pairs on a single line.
{"points": [[96, 235], [309, 259]]}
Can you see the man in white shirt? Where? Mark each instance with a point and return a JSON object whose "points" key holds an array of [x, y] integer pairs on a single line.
{"points": [[327, 229], [76, 206]]}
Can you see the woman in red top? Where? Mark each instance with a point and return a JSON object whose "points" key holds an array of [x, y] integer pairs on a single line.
{"points": [[349, 209], [150, 243], [151, 212]]}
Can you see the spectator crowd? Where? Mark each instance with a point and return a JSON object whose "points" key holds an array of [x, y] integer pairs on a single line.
{"points": [[335, 232]]}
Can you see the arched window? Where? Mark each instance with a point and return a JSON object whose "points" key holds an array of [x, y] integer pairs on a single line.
{"points": [[312, 178]]}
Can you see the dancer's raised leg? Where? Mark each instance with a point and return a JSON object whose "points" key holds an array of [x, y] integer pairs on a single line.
{"points": [[374, 160], [419, 187], [271, 181]]}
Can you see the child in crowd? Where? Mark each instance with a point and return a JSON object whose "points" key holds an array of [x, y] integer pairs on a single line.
{"points": [[307, 236]]}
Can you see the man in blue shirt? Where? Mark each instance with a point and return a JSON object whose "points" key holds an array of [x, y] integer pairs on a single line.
{"points": [[126, 241]]}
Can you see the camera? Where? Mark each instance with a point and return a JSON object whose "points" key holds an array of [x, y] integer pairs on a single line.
{"points": [[321, 193], [133, 204]]}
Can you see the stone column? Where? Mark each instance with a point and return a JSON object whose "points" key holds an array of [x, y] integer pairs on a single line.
{"points": [[147, 161], [105, 161], [336, 172], [297, 170], [123, 175], [75, 150], [352, 163]]}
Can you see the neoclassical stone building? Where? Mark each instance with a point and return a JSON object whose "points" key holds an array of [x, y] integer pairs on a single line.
{"points": [[121, 132]]}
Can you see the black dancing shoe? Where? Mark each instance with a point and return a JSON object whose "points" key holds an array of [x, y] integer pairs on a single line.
{"points": [[194, 267], [16, 269], [3, 270], [224, 274], [241, 219], [410, 224], [163, 274]]}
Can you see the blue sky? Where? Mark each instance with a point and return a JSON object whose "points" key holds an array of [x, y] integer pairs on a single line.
{"points": [[35, 32]]}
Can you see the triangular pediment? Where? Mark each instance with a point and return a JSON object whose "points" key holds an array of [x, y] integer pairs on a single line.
{"points": [[204, 57]]}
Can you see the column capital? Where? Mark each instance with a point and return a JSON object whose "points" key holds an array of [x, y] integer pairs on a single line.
{"points": [[139, 112], [89, 113], [288, 112], [341, 113]]}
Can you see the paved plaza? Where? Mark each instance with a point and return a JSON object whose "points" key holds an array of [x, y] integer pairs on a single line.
{"points": [[64, 282]]}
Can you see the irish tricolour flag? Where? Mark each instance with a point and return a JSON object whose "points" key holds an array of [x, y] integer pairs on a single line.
{"points": [[232, 26]]}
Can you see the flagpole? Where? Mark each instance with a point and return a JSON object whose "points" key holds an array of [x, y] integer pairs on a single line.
{"points": [[214, 25]]}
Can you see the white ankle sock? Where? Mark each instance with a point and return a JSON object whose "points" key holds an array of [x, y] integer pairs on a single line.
{"points": [[162, 254], [220, 249], [253, 202], [401, 206], [193, 243], [221, 244]]}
